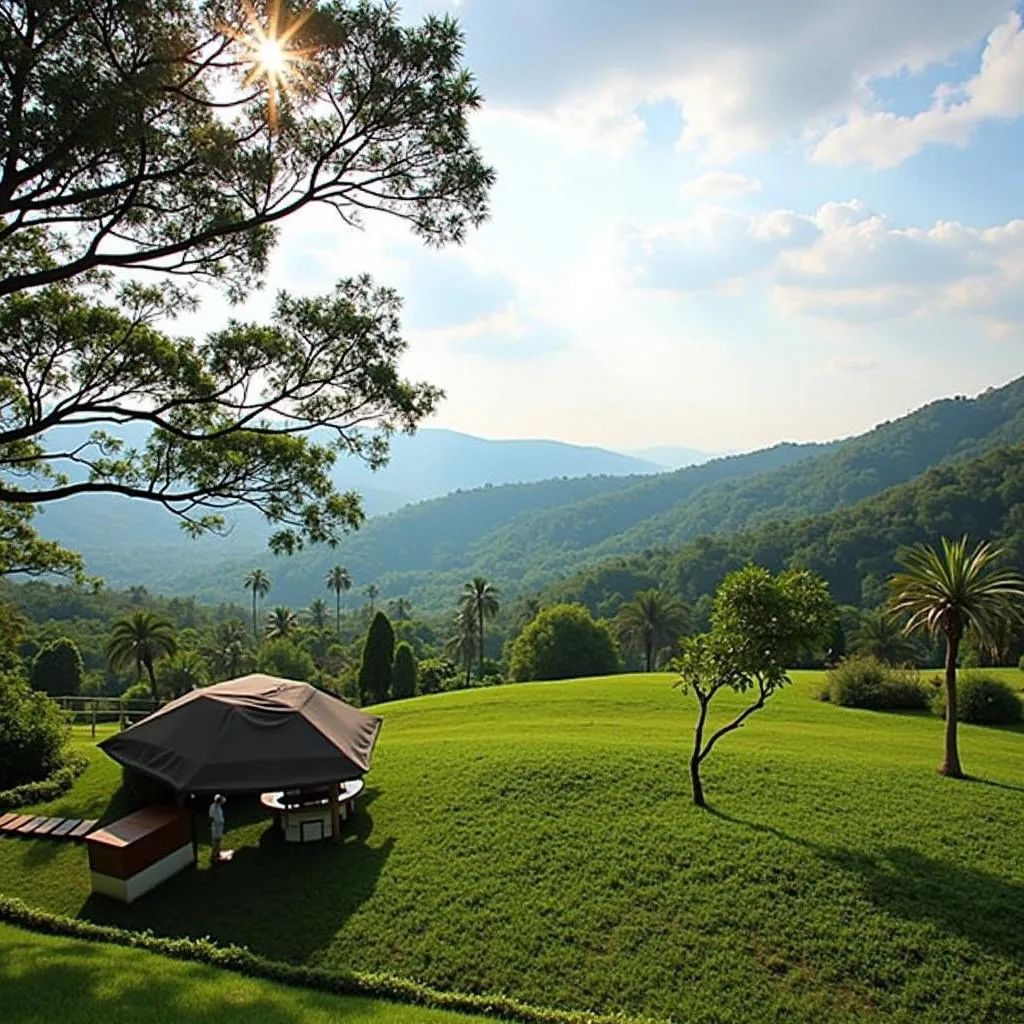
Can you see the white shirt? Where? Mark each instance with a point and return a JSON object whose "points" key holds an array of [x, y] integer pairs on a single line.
{"points": [[217, 817]]}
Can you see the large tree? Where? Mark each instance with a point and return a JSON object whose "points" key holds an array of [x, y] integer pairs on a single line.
{"points": [[760, 626], [563, 641], [138, 641], [650, 621], [165, 138], [479, 601], [259, 583], [947, 593], [338, 580]]}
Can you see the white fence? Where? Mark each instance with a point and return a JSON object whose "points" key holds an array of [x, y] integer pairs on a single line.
{"points": [[92, 711]]}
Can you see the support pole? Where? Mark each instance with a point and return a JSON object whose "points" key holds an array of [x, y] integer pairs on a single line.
{"points": [[335, 811]]}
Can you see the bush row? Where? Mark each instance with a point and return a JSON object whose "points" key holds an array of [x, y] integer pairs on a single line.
{"points": [[53, 786], [869, 683], [241, 960]]}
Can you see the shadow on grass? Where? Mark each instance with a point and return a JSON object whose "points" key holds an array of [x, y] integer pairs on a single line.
{"points": [[283, 900], [980, 907], [43, 982]]}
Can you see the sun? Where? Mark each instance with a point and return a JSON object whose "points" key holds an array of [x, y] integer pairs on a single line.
{"points": [[269, 50]]}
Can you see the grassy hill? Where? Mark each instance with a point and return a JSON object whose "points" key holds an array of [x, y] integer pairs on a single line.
{"points": [[538, 840]]}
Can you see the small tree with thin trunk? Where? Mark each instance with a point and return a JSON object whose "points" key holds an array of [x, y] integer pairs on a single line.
{"points": [[761, 624], [947, 594], [259, 583], [479, 601], [338, 580]]}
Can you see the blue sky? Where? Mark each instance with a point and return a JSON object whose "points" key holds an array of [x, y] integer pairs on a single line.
{"points": [[716, 225]]}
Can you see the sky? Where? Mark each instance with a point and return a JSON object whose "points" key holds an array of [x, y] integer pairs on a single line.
{"points": [[717, 225]]}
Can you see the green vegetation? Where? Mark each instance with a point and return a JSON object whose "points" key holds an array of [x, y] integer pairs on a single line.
{"points": [[378, 659], [560, 642], [479, 601], [982, 699], [539, 841], [651, 622], [403, 672], [760, 625], [869, 683], [45, 978], [33, 733], [57, 668]]}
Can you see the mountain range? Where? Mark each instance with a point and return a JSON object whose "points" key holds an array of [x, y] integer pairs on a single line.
{"points": [[525, 536]]}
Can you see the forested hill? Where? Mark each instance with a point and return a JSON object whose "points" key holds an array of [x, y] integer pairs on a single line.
{"points": [[853, 548], [426, 547]]}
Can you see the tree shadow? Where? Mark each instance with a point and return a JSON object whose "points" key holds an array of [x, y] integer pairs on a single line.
{"points": [[43, 980], [284, 900], [975, 905]]}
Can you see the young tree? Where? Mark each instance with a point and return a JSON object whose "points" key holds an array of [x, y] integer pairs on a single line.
{"points": [[403, 672], [138, 641], [57, 668], [562, 642], [159, 137], [760, 625], [338, 580], [378, 657], [259, 583], [479, 601], [651, 620], [948, 593]]}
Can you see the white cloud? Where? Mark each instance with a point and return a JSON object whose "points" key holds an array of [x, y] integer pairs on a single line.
{"points": [[842, 262], [884, 139], [720, 183], [742, 71]]}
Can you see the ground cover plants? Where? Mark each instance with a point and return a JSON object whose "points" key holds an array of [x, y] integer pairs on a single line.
{"points": [[539, 841]]}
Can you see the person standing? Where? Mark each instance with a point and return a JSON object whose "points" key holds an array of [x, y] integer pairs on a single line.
{"points": [[216, 827]]}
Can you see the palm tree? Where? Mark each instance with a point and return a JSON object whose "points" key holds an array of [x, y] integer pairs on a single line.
{"points": [[184, 671], [479, 601], [372, 592], [226, 648], [317, 612], [461, 646], [281, 623], [400, 609], [139, 640], [338, 580], [948, 593], [651, 620], [878, 634], [259, 583]]}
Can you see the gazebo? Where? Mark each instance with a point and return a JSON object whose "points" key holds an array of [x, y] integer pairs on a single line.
{"points": [[256, 734]]}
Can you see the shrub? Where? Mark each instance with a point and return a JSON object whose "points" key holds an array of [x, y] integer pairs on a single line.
{"points": [[435, 675], [54, 785], [57, 668], [34, 733], [981, 699], [280, 657], [403, 672], [564, 642], [1020, 664], [869, 683]]}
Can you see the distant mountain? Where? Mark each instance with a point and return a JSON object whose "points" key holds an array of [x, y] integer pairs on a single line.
{"points": [[129, 542], [672, 457]]}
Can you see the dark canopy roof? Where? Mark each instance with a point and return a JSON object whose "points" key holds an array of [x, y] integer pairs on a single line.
{"points": [[250, 734]]}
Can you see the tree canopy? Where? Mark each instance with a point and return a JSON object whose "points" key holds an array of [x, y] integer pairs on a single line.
{"points": [[142, 137], [562, 642]]}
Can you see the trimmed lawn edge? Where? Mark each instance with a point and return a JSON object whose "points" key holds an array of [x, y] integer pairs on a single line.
{"points": [[243, 961], [54, 785]]}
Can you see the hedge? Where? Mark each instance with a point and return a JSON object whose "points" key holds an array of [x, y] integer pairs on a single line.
{"points": [[53, 786], [243, 961]]}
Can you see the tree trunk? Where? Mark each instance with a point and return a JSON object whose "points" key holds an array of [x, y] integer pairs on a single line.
{"points": [[951, 762], [255, 633], [152, 679], [648, 651], [337, 614], [698, 741], [480, 616]]}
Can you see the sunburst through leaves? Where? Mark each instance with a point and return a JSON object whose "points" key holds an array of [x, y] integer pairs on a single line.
{"points": [[269, 48]]}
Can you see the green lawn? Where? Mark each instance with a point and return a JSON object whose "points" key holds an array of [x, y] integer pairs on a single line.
{"points": [[44, 979], [538, 840]]}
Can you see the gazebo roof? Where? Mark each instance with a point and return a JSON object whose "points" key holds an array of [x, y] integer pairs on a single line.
{"points": [[248, 735]]}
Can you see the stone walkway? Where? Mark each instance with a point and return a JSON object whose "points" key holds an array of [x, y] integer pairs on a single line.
{"points": [[42, 827]]}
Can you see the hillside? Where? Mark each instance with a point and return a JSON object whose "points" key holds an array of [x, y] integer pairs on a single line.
{"points": [[853, 548], [538, 840]]}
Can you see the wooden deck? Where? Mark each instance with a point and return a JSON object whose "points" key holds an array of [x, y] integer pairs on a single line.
{"points": [[42, 827]]}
